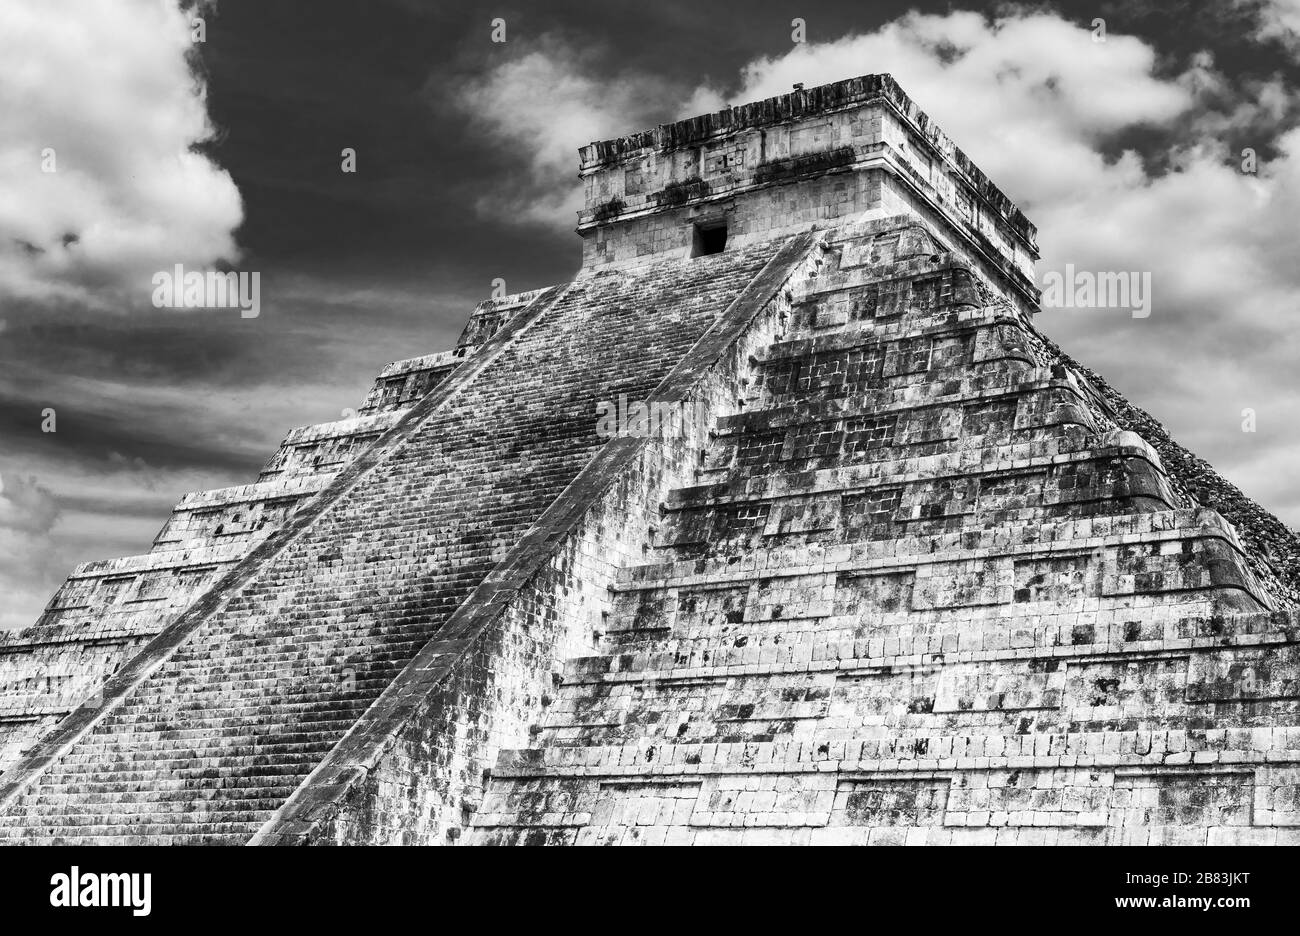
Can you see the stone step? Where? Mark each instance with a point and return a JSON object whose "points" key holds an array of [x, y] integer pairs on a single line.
{"points": [[1066, 537], [1138, 748], [1022, 806], [820, 384], [239, 760], [901, 705], [855, 444], [915, 512], [709, 626], [231, 727], [113, 802], [250, 671], [851, 379], [819, 646], [1019, 462], [176, 832]]}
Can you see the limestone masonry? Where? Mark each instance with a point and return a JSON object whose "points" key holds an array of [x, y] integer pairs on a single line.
{"points": [[915, 577]]}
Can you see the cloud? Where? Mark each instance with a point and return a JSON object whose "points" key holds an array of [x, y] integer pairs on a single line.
{"points": [[105, 94], [546, 103], [29, 558], [1276, 19]]}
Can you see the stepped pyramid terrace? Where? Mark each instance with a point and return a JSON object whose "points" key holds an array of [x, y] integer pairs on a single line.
{"points": [[892, 568]]}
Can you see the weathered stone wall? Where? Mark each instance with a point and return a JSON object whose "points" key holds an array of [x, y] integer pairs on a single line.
{"points": [[921, 590], [668, 234], [401, 383], [787, 164], [1273, 547]]}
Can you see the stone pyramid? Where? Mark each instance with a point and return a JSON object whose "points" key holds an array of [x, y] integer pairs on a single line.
{"points": [[781, 523]]}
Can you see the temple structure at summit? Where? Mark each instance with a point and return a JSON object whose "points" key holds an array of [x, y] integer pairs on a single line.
{"points": [[902, 572]]}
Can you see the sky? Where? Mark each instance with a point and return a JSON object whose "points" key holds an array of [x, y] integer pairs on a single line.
{"points": [[227, 153]]}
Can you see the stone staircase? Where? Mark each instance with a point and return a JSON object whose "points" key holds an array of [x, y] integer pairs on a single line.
{"points": [[107, 610], [924, 590], [266, 678]]}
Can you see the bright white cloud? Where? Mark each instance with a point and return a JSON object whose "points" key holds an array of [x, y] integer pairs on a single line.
{"points": [[108, 88]]}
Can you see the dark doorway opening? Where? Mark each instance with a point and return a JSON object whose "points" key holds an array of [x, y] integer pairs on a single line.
{"points": [[710, 238]]}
